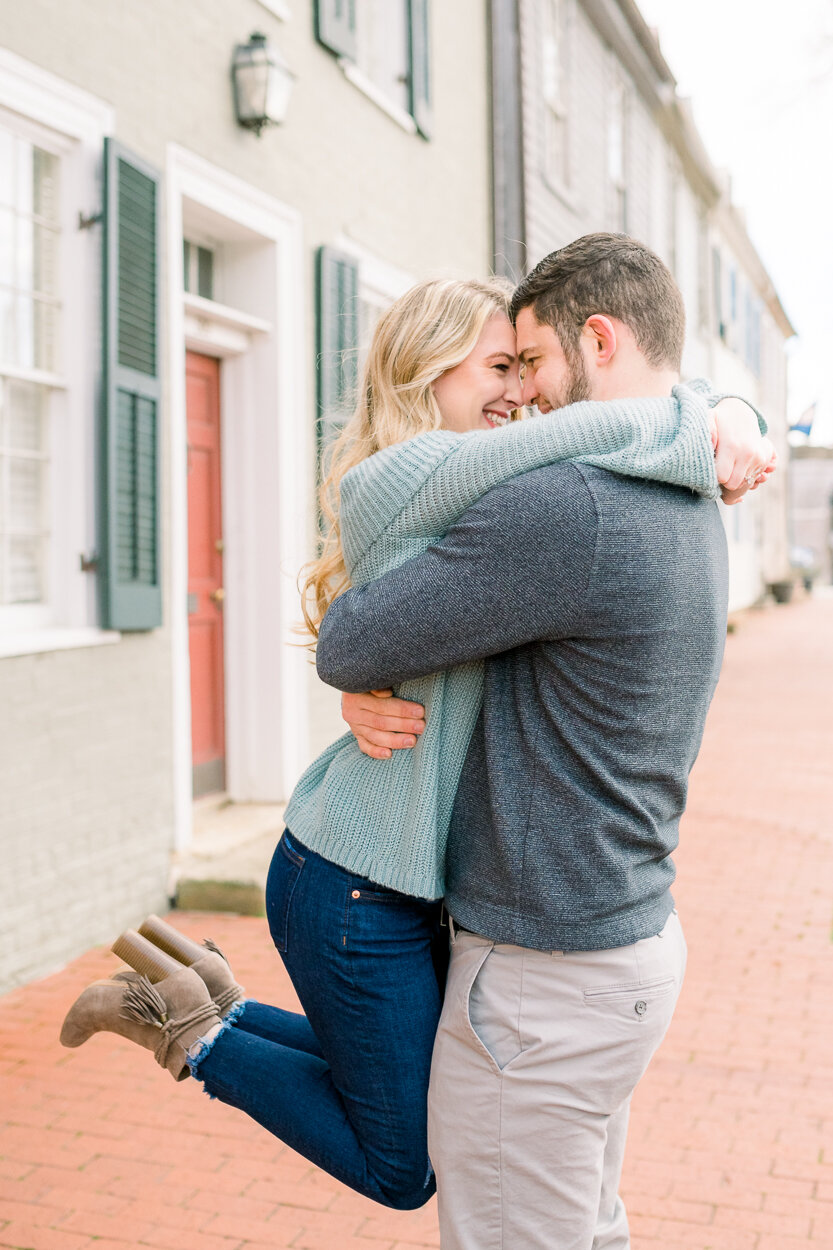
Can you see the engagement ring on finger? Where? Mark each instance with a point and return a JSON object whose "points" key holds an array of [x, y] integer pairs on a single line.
{"points": [[750, 481]]}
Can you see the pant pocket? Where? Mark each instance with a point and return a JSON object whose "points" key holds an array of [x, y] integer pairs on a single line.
{"points": [[284, 871], [494, 1007], [639, 1000]]}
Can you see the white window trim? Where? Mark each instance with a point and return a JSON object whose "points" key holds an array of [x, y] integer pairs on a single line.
{"points": [[279, 8], [73, 123], [264, 387], [368, 87], [375, 274]]}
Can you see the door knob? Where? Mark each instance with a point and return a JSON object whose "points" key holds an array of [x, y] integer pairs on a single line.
{"points": [[218, 595]]}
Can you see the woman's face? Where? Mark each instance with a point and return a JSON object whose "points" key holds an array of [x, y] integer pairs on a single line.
{"points": [[480, 392]]}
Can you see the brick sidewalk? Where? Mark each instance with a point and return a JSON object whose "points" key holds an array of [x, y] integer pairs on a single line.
{"points": [[731, 1144]]}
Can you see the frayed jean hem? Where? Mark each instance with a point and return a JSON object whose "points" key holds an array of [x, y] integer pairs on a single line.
{"points": [[201, 1047]]}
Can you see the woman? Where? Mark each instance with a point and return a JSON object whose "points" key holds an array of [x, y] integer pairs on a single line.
{"points": [[354, 886]]}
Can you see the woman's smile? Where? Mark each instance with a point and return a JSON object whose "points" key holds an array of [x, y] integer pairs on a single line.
{"points": [[496, 417]]}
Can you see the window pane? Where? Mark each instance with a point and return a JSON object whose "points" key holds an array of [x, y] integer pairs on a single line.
{"points": [[25, 495], [25, 573], [551, 56], [7, 349], [45, 184], [23, 254], [616, 135], [25, 327], [25, 177], [45, 335], [44, 260], [6, 247], [382, 31], [29, 215], [6, 168], [186, 264], [36, 324], [24, 413], [205, 273]]}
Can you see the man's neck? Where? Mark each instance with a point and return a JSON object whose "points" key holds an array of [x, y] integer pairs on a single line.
{"points": [[635, 384]]}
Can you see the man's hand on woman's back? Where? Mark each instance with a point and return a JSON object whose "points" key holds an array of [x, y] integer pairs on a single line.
{"points": [[743, 457]]}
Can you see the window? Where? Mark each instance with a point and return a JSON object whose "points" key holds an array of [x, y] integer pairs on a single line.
{"points": [[371, 306], [753, 333], [29, 323], [617, 128], [674, 184], [555, 83], [733, 294], [702, 271], [198, 270], [383, 46], [717, 293], [354, 289]]}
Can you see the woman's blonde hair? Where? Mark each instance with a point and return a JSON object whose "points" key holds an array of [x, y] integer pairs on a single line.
{"points": [[428, 330]]}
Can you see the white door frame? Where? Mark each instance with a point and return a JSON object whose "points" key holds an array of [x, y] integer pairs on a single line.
{"points": [[267, 450]]}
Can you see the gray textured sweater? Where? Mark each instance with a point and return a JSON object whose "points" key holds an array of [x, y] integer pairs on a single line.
{"points": [[388, 820], [602, 602]]}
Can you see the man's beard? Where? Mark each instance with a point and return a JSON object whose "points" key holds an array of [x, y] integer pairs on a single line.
{"points": [[577, 386]]}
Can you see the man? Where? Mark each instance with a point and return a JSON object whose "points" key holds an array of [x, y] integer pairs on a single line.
{"points": [[601, 601]]}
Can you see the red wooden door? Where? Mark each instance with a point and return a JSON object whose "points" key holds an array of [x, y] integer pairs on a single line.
{"points": [[205, 573]]}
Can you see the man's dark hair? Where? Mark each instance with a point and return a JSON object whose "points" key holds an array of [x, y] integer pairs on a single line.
{"points": [[616, 276]]}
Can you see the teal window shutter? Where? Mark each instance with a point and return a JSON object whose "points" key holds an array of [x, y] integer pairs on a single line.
{"points": [[335, 26], [338, 340], [420, 76], [129, 547]]}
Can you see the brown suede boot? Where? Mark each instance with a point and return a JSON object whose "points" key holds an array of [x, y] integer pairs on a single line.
{"points": [[207, 960], [166, 1018]]}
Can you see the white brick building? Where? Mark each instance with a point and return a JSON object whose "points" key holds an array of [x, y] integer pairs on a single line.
{"points": [[168, 430]]}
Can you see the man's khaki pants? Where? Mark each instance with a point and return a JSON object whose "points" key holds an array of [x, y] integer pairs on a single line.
{"points": [[537, 1055]]}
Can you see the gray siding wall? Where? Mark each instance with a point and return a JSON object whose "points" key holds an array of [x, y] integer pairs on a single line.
{"points": [[664, 209]]}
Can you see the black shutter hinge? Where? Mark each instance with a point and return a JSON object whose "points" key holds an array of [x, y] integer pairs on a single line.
{"points": [[87, 223], [89, 563]]}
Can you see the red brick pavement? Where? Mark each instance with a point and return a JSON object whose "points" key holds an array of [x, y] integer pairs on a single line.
{"points": [[731, 1144]]}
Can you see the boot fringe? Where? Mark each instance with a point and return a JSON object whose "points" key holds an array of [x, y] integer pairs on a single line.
{"points": [[212, 946], [144, 1004]]}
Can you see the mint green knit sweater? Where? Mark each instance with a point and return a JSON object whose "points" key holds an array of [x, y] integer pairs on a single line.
{"points": [[388, 819]]}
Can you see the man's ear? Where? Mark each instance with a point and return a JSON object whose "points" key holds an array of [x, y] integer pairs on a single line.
{"points": [[599, 333]]}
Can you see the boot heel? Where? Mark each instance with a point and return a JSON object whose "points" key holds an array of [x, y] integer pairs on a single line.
{"points": [[145, 957], [171, 941]]}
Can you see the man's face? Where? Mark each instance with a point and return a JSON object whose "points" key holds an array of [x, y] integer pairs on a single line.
{"points": [[550, 378]]}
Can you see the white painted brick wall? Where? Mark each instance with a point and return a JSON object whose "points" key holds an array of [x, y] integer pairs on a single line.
{"points": [[85, 736], [85, 826]]}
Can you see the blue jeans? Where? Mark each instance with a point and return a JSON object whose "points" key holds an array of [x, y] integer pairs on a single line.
{"points": [[345, 1085]]}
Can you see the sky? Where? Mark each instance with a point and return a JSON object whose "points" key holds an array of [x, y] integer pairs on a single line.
{"points": [[760, 76]]}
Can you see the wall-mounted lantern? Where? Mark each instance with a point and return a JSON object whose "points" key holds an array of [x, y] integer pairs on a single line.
{"points": [[262, 84]]}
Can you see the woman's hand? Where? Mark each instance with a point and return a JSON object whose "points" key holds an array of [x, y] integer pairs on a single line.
{"points": [[743, 458], [381, 723]]}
